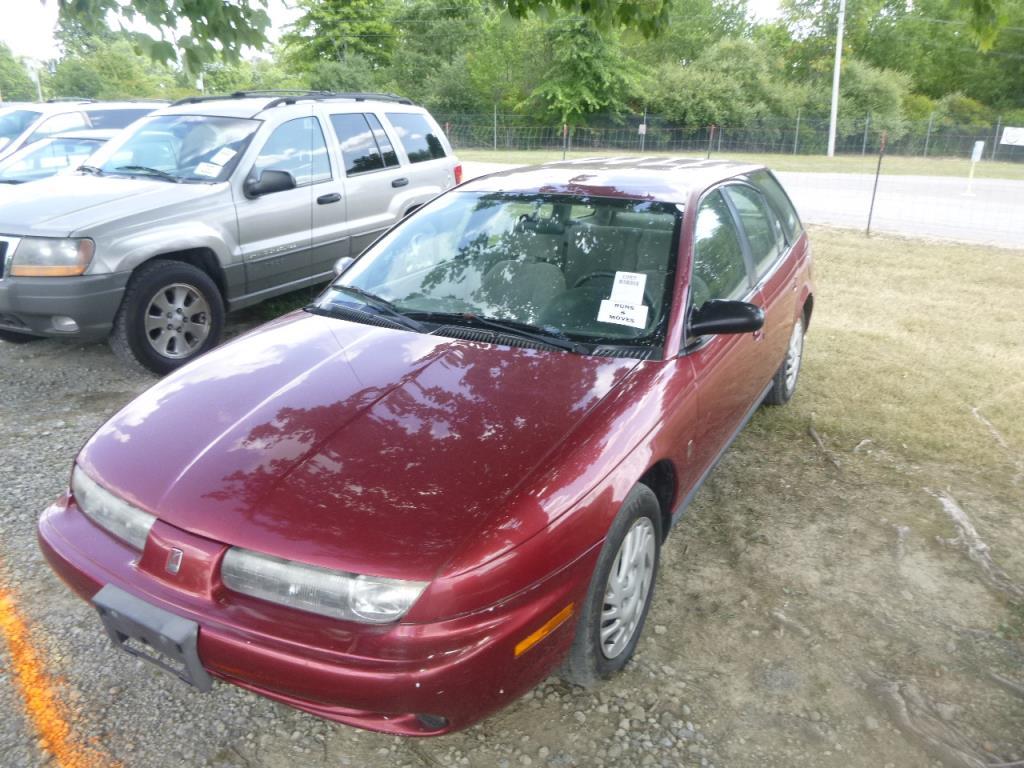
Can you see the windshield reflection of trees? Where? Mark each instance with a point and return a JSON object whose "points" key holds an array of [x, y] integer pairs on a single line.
{"points": [[391, 472]]}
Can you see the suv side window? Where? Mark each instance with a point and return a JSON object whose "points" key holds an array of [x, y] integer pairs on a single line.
{"points": [[719, 269], [115, 118], [761, 225], [777, 196], [359, 150], [390, 156], [416, 135], [297, 147]]}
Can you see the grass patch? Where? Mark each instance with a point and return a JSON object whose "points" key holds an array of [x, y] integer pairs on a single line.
{"points": [[908, 336], [892, 165]]}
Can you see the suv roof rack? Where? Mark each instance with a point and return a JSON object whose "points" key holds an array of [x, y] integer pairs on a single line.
{"points": [[291, 96]]}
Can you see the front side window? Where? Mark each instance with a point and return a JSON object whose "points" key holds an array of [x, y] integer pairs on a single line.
{"points": [[359, 148], [14, 122], [760, 224], [719, 269], [297, 147], [110, 119], [526, 258], [45, 158], [193, 148], [419, 139]]}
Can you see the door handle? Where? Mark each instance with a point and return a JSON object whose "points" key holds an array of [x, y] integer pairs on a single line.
{"points": [[333, 197], [399, 182]]}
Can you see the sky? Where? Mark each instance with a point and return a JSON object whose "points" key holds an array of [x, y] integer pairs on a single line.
{"points": [[28, 24]]}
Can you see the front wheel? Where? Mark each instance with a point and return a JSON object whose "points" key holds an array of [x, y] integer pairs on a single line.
{"points": [[171, 313], [784, 382], [612, 618]]}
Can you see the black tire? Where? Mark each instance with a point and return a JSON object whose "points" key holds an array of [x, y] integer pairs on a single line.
{"points": [[13, 337], [784, 385], [129, 338], [588, 662]]}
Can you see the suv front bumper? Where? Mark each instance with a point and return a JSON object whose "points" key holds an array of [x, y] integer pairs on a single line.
{"points": [[29, 304]]}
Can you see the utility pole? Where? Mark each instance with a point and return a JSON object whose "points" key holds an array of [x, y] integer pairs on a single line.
{"points": [[835, 80]]}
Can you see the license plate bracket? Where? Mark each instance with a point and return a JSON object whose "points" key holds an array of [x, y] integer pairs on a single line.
{"points": [[153, 634]]}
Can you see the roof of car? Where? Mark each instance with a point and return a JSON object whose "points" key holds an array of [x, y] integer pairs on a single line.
{"points": [[642, 177], [88, 105], [246, 104]]}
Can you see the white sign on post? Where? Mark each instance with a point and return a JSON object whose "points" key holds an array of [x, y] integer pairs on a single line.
{"points": [[979, 148], [1013, 136], [643, 129]]}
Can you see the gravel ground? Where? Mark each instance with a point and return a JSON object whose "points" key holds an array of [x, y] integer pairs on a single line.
{"points": [[785, 631]]}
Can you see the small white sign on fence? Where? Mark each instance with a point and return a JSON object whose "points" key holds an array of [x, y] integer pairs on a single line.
{"points": [[1013, 136], [643, 129], [979, 149]]}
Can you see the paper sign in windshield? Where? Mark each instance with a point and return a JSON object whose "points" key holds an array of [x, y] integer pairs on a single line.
{"points": [[634, 315], [628, 288], [208, 169], [223, 157]]}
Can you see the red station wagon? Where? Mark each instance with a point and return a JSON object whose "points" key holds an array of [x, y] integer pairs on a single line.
{"points": [[407, 504]]}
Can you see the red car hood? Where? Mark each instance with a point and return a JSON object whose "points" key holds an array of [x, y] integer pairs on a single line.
{"points": [[368, 449]]}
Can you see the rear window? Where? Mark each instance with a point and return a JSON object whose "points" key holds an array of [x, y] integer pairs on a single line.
{"points": [[115, 118], [417, 136], [15, 122], [779, 200]]}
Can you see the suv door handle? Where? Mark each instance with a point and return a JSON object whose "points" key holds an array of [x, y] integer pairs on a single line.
{"points": [[333, 197], [399, 182]]}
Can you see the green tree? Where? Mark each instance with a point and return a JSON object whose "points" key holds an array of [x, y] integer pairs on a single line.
{"points": [[15, 82], [112, 70], [586, 73], [333, 30]]}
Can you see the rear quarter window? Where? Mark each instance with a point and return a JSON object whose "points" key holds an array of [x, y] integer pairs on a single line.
{"points": [[420, 139], [780, 201], [115, 118]]}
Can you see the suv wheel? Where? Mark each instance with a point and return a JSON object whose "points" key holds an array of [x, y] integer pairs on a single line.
{"points": [[171, 313], [620, 593], [784, 382]]}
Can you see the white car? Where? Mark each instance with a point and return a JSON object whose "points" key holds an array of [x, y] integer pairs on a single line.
{"points": [[23, 124]]}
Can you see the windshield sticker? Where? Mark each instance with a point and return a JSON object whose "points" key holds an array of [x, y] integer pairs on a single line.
{"points": [[628, 288], [208, 169], [634, 315], [223, 157]]}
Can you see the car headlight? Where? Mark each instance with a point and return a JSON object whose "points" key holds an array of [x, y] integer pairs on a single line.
{"points": [[52, 257], [110, 512], [341, 595]]}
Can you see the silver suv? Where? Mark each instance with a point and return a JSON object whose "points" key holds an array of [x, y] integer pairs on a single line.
{"points": [[209, 205], [24, 124]]}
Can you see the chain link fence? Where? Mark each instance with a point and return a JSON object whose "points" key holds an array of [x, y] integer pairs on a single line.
{"points": [[800, 135]]}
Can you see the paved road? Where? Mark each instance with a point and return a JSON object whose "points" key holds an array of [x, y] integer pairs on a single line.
{"points": [[919, 206]]}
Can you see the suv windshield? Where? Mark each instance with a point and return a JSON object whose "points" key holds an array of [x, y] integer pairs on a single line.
{"points": [[185, 147], [14, 122], [584, 268]]}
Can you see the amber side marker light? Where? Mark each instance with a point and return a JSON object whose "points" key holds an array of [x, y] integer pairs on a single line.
{"points": [[549, 626]]}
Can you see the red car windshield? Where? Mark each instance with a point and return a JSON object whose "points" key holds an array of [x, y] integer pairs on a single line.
{"points": [[588, 268]]}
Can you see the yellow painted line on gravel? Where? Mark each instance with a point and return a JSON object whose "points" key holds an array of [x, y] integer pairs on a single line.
{"points": [[42, 704]]}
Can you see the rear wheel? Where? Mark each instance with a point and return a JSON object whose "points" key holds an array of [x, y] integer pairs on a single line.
{"points": [[171, 313], [612, 618], [784, 382]]}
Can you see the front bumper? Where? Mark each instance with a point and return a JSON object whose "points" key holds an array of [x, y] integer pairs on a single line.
{"points": [[29, 304], [376, 677]]}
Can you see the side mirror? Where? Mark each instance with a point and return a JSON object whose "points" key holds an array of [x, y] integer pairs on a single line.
{"points": [[269, 181], [342, 264], [719, 316]]}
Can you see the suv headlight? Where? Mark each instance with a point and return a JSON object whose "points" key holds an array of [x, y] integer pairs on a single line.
{"points": [[110, 512], [341, 595], [52, 257]]}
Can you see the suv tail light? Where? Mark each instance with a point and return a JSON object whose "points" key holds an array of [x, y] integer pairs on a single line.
{"points": [[458, 173]]}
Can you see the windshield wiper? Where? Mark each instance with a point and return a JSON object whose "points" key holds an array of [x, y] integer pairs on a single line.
{"points": [[150, 171], [90, 169], [375, 301], [546, 336]]}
